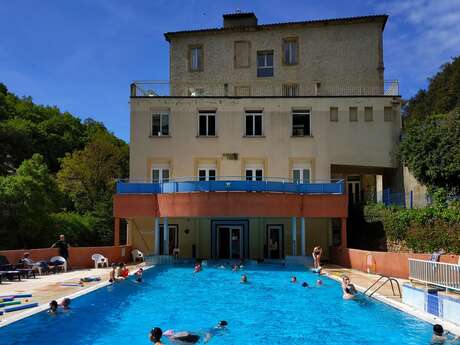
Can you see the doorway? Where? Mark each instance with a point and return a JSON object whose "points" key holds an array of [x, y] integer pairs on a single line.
{"points": [[274, 242], [230, 242], [173, 238], [354, 189]]}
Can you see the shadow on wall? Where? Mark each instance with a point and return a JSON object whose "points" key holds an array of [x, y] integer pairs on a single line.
{"points": [[363, 234]]}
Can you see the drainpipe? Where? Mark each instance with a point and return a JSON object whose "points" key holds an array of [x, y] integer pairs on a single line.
{"points": [[156, 248], [166, 236], [294, 236], [302, 234]]}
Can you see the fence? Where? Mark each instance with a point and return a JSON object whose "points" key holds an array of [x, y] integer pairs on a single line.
{"points": [[435, 273], [410, 199], [278, 88]]}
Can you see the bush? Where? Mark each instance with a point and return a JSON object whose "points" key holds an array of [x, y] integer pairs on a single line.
{"points": [[78, 229], [420, 230]]}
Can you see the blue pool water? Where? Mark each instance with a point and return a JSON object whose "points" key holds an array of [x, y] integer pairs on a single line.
{"points": [[268, 310]]}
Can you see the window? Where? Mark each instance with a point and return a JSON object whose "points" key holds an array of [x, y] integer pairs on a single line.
{"points": [[334, 114], [301, 123], [242, 56], [254, 174], [290, 51], [196, 58], [253, 123], [265, 63], [206, 123], [160, 124], [301, 175], [353, 114], [368, 114], [290, 89], [160, 174], [206, 174], [388, 113]]}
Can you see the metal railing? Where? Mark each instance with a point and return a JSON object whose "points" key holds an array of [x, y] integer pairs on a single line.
{"points": [[391, 280], [277, 88], [230, 184], [435, 273]]}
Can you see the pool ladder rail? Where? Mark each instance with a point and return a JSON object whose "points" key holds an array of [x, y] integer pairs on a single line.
{"points": [[387, 279]]}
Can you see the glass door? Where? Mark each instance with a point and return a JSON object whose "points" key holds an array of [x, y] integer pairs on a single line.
{"points": [[274, 242], [354, 189], [173, 239], [229, 242]]}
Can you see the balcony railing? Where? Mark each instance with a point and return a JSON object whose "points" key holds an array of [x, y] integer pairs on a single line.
{"points": [[435, 273], [263, 89], [230, 184]]}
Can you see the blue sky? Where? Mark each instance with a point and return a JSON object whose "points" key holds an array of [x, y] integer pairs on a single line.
{"points": [[82, 55]]}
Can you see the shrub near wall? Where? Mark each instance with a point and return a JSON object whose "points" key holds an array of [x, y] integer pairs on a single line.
{"points": [[419, 230]]}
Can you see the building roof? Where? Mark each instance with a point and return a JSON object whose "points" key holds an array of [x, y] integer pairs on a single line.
{"points": [[334, 21]]}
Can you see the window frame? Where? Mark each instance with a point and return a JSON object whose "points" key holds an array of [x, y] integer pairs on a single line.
{"points": [[253, 171], [206, 173], [161, 178], [368, 118], [301, 171], [254, 113], [349, 114], [306, 111], [285, 42], [331, 119], [265, 66], [160, 114], [200, 67], [387, 118], [207, 114]]}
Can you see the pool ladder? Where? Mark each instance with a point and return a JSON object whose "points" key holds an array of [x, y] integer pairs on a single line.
{"points": [[387, 279]]}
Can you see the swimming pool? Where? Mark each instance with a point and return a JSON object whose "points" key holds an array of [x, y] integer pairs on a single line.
{"points": [[268, 310]]}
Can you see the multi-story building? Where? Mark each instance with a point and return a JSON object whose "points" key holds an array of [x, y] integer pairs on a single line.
{"points": [[260, 139]]}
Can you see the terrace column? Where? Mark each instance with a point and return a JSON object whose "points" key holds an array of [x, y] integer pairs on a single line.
{"points": [[166, 236], [116, 232], [156, 248], [294, 236], [302, 234], [343, 233]]}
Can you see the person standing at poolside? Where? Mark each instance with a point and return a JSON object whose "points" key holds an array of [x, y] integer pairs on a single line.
{"points": [[63, 246], [317, 252]]}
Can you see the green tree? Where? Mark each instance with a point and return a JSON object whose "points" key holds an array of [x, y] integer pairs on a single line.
{"points": [[27, 200], [431, 150]]}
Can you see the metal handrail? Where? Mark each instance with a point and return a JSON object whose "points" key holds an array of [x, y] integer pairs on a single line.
{"points": [[441, 274], [388, 279], [230, 178], [283, 88]]}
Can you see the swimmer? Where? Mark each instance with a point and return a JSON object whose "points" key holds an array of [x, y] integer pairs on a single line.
{"points": [[221, 326], [139, 274], [293, 279], [438, 335], [244, 279], [123, 272], [182, 337], [155, 336], [349, 290], [319, 282], [235, 268], [197, 268], [65, 304], [304, 284], [53, 307]]}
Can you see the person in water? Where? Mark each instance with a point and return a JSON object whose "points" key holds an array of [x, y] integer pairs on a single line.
{"points": [[349, 290], [219, 328], [123, 271], [304, 284], [65, 304], [244, 279], [155, 336], [317, 252], [438, 335], [139, 274], [319, 282], [197, 268], [293, 279], [53, 307], [184, 337]]}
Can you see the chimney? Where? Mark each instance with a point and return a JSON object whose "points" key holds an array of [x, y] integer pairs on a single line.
{"points": [[234, 20]]}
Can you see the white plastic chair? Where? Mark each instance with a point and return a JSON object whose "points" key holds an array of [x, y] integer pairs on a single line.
{"points": [[60, 258], [100, 259], [137, 255]]}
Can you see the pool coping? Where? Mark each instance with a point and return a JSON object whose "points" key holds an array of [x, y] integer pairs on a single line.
{"points": [[432, 319], [32, 311]]}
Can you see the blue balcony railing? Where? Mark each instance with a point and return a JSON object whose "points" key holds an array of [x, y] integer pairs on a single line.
{"points": [[190, 185]]}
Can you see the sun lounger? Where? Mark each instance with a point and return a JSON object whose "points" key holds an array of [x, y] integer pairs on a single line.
{"points": [[6, 266], [11, 275]]}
